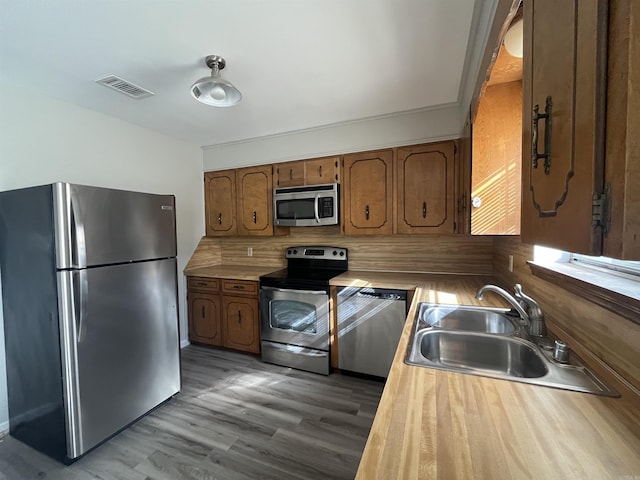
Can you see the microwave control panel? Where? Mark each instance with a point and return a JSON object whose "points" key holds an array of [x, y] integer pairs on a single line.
{"points": [[325, 207]]}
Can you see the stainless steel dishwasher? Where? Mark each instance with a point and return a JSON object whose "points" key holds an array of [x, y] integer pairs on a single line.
{"points": [[370, 322]]}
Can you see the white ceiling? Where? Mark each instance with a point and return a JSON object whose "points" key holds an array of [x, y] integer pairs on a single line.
{"points": [[298, 63]]}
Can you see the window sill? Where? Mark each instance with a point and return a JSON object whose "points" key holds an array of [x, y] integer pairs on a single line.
{"points": [[620, 295]]}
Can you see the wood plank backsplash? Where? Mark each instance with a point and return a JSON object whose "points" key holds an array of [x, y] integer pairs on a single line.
{"points": [[396, 253], [612, 338]]}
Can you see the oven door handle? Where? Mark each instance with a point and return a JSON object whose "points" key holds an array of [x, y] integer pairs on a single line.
{"points": [[292, 290], [316, 208]]}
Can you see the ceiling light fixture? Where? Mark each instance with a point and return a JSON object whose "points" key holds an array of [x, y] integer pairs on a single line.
{"points": [[513, 39], [214, 90]]}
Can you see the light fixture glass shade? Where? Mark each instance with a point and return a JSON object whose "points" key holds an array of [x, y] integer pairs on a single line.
{"points": [[513, 39], [214, 90]]}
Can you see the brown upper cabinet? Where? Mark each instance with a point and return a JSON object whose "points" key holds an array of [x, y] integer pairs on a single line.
{"points": [[255, 200], [239, 202], [580, 158], [220, 203], [307, 172], [425, 187], [289, 174], [368, 193]]}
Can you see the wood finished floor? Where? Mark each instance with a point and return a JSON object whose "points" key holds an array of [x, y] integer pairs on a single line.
{"points": [[236, 418]]}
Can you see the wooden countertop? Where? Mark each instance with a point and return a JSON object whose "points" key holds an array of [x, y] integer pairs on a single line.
{"points": [[236, 272], [392, 280], [436, 424]]}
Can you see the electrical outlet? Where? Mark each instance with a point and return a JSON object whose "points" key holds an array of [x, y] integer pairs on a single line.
{"points": [[249, 252], [511, 263]]}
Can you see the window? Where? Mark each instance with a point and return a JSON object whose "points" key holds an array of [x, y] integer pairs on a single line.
{"points": [[620, 266], [612, 284], [631, 269]]}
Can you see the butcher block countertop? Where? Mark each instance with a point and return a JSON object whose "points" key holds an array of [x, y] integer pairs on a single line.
{"points": [[433, 424], [236, 272]]}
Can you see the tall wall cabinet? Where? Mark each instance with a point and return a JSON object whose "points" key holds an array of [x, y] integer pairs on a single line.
{"points": [[368, 193], [580, 147], [425, 188]]}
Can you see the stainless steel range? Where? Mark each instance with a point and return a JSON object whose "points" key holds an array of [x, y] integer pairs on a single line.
{"points": [[294, 308]]}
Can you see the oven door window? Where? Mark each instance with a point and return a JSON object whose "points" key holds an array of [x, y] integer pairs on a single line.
{"points": [[293, 315], [299, 209]]}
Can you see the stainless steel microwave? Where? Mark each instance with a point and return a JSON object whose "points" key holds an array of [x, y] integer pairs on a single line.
{"points": [[306, 206]]}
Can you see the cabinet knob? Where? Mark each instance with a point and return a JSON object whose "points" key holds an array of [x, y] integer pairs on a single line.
{"points": [[239, 316], [320, 171], [366, 212], [203, 312], [255, 217], [220, 218], [424, 209]]}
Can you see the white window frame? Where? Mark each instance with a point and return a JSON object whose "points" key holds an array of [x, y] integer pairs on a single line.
{"points": [[613, 265]]}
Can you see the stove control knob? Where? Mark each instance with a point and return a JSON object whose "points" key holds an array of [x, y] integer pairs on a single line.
{"points": [[335, 253], [342, 254], [289, 252], [295, 252]]}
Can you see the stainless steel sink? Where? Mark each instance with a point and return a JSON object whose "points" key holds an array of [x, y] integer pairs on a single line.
{"points": [[511, 357], [486, 342], [474, 319]]}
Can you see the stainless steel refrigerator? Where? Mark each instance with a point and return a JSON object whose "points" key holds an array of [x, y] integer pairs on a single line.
{"points": [[89, 290]]}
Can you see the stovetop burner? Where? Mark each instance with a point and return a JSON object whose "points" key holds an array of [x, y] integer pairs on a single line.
{"points": [[308, 266]]}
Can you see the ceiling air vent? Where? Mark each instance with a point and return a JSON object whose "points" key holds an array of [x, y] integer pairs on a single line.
{"points": [[123, 86]]}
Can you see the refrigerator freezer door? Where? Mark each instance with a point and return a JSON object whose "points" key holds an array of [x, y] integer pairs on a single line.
{"points": [[100, 226], [120, 350]]}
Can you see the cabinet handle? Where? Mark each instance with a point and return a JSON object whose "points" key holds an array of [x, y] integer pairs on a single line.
{"points": [[255, 217], [546, 116], [201, 284], [424, 209], [291, 174], [239, 287], [220, 218], [320, 170], [239, 316], [203, 311], [366, 212]]}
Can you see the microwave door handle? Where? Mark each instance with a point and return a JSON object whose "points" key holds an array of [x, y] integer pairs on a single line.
{"points": [[315, 208]]}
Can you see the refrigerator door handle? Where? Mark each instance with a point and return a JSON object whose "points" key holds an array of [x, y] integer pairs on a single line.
{"points": [[78, 245], [71, 250], [68, 324], [80, 288]]}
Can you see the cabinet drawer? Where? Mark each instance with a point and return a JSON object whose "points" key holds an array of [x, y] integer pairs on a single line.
{"points": [[202, 283], [246, 287]]}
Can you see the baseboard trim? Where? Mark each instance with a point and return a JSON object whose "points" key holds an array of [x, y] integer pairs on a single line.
{"points": [[184, 343]]}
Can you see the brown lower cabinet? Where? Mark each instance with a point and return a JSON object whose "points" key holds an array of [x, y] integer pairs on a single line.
{"points": [[224, 313]]}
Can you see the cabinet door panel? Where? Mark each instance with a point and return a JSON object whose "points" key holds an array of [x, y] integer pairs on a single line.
{"points": [[425, 188], [204, 318], [290, 174], [565, 62], [322, 170], [240, 321], [220, 202], [368, 193], [255, 198]]}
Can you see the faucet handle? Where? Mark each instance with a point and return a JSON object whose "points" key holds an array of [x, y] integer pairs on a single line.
{"points": [[523, 297]]}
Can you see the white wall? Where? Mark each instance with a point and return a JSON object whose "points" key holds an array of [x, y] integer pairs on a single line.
{"points": [[407, 128], [43, 140]]}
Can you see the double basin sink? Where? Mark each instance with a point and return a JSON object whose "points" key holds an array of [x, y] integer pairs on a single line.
{"points": [[490, 342]]}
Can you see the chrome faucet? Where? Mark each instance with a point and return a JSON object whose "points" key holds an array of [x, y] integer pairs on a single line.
{"points": [[537, 327], [526, 322]]}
